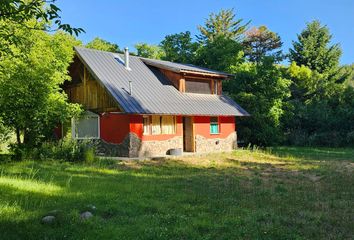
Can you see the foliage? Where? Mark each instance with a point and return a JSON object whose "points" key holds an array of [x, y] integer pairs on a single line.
{"points": [[149, 51], [66, 149], [220, 54], [103, 45], [313, 49], [179, 47], [31, 101], [15, 14], [5, 133], [222, 24], [260, 42], [282, 193], [261, 89]]}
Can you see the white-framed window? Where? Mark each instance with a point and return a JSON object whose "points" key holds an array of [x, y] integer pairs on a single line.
{"points": [[86, 127]]}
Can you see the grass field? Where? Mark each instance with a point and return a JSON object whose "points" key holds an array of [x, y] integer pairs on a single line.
{"points": [[282, 193]]}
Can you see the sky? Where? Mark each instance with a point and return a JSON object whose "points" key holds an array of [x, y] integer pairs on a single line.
{"points": [[129, 22]]}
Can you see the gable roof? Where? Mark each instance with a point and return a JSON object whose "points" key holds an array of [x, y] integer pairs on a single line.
{"points": [[152, 92]]}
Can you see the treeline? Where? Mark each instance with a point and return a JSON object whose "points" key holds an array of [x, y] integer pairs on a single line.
{"points": [[309, 101]]}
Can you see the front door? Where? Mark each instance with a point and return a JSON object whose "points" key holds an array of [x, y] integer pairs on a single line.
{"points": [[188, 135]]}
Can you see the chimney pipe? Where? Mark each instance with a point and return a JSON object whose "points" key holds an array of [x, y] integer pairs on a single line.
{"points": [[130, 88], [126, 58]]}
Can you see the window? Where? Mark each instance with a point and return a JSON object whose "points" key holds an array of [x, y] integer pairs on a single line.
{"points": [[198, 86], [146, 123], [168, 124], [86, 127], [156, 125], [214, 125]]}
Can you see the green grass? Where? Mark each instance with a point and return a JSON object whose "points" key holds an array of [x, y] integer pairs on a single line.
{"points": [[282, 193]]}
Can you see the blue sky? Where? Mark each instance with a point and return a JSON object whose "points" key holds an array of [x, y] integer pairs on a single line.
{"points": [[129, 22]]}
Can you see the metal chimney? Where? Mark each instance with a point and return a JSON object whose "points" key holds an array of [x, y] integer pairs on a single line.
{"points": [[126, 58]]}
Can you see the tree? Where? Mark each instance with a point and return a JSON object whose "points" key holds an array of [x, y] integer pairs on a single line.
{"points": [[103, 45], [15, 15], [313, 49], [222, 24], [149, 51], [31, 102], [260, 42], [262, 90], [179, 47], [221, 54]]}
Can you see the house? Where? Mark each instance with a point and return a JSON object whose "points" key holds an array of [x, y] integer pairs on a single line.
{"points": [[144, 107]]}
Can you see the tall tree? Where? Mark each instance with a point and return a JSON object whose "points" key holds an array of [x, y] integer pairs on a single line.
{"points": [[262, 90], [221, 54], [103, 45], [260, 42], [179, 47], [31, 102], [149, 51], [313, 49], [222, 24]]}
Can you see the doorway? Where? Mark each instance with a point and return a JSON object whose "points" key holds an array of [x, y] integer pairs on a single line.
{"points": [[188, 135]]}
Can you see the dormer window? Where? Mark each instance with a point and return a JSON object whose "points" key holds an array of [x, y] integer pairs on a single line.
{"points": [[198, 86]]}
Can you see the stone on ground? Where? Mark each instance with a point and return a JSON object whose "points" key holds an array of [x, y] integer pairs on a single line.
{"points": [[86, 215]]}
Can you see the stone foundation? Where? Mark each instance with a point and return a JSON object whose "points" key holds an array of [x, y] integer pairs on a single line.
{"points": [[133, 146], [206, 145]]}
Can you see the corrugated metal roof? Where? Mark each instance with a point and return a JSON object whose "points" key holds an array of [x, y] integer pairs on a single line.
{"points": [[152, 92], [181, 67]]}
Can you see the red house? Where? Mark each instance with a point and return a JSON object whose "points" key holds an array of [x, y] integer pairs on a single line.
{"points": [[144, 107]]}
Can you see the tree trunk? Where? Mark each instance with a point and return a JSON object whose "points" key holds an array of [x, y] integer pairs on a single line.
{"points": [[18, 136]]}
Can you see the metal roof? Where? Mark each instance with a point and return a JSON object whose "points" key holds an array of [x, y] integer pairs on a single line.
{"points": [[181, 67], [152, 92]]}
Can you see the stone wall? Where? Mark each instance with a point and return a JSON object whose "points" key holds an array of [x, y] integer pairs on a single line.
{"points": [[154, 148], [205, 145], [132, 146]]}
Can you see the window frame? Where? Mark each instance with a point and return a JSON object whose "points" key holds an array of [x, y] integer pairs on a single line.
{"points": [[87, 115], [160, 117], [215, 123], [148, 126]]}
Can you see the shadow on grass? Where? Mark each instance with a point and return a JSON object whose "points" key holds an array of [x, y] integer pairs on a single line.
{"points": [[176, 200]]}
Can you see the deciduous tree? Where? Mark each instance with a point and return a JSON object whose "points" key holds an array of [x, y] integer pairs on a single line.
{"points": [[179, 47], [103, 45], [149, 51]]}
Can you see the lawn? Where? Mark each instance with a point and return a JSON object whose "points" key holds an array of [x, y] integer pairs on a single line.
{"points": [[281, 193]]}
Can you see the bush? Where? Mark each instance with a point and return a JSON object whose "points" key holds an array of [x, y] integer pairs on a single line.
{"points": [[66, 150]]}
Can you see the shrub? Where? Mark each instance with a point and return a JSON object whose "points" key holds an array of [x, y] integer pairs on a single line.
{"points": [[66, 150]]}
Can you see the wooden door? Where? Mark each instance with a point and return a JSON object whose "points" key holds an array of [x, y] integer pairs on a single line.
{"points": [[188, 134]]}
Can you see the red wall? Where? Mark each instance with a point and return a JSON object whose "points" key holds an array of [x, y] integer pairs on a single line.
{"points": [[115, 127], [202, 127]]}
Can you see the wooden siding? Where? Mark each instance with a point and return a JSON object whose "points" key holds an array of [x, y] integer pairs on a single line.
{"points": [[89, 92], [179, 80]]}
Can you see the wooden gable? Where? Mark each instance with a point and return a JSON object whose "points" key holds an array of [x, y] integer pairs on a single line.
{"points": [[86, 90]]}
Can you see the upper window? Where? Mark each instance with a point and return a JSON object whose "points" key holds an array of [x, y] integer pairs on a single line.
{"points": [[86, 127], [214, 125], [198, 86], [156, 125]]}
